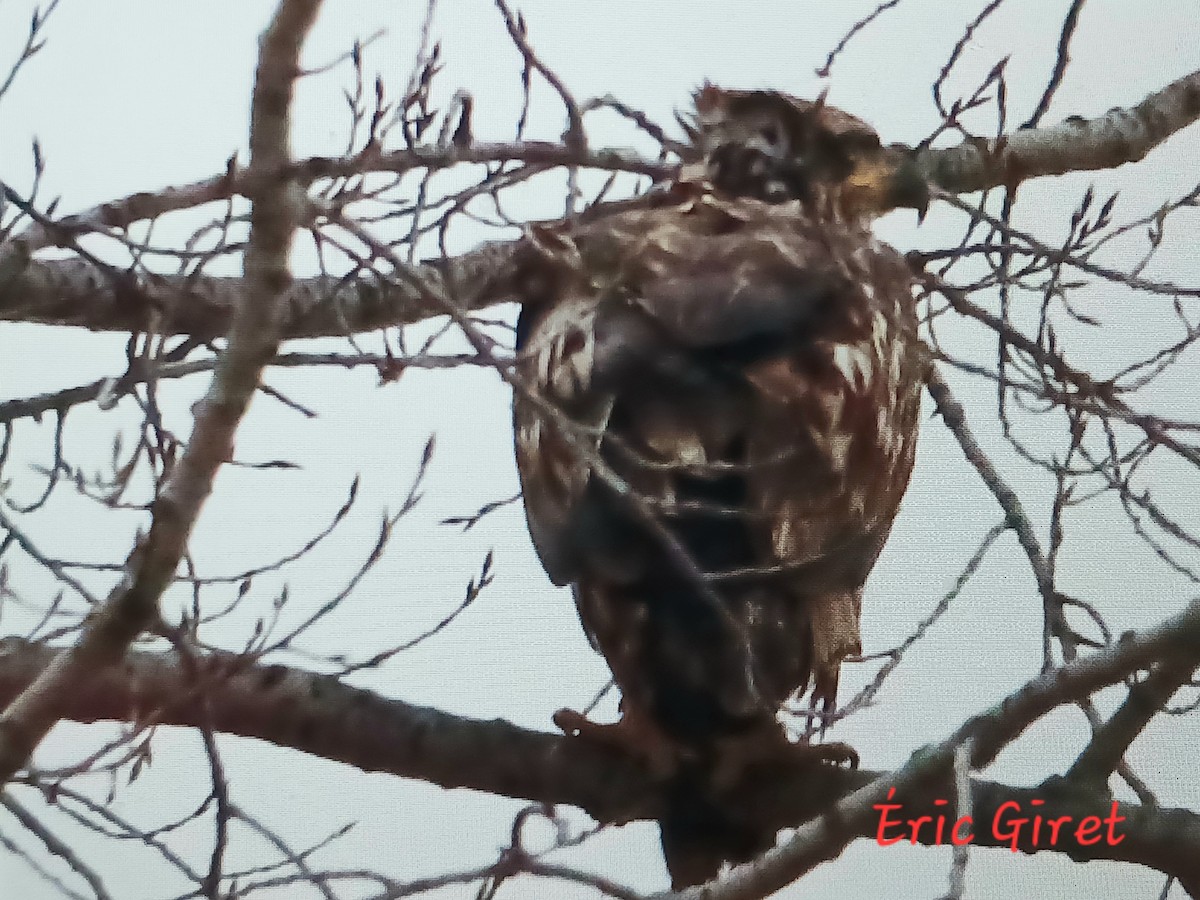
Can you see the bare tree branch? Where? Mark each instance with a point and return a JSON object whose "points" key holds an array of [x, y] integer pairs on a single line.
{"points": [[253, 340], [71, 292], [57, 846], [989, 732], [1104, 753], [368, 224], [109, 390], [1076, 145], [320, 715]]}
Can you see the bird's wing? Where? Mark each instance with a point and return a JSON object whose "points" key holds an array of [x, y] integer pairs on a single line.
{"points": [[653, 308]]}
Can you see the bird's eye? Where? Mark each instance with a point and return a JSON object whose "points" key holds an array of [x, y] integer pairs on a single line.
{"points": [[770, 134]]}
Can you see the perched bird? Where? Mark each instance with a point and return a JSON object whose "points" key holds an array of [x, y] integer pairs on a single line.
{"points": [[716, 417]]}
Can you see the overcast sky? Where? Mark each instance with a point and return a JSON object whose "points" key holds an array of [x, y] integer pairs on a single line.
{"points": [[134, 95]]}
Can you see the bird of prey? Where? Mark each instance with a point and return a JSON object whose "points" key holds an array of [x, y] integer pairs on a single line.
{"points": [[716, 411]]}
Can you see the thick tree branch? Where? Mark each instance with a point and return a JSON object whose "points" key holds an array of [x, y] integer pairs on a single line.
{"points": [[1076, 145], [320, 715], [253, 340], [72, 292]]}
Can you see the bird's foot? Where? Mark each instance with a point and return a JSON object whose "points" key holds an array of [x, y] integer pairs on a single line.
{"points": [[830, 753], [634, 735], [769, 746]]}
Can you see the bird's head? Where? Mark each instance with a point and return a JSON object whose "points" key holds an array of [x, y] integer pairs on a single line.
{"points": [[775, 147]]}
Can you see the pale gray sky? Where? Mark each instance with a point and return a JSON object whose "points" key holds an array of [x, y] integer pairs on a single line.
{"points": [[136, 95]]}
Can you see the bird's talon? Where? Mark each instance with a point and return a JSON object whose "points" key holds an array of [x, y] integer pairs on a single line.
{"points": [[838, 754], [632, 736], [571, 723]]}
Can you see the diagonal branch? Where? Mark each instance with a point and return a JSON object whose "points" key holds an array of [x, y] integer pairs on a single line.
{"points": [[955, 417], [988, 733], [253, 340], [56, 846], [1104, 753], [1054, 621]]}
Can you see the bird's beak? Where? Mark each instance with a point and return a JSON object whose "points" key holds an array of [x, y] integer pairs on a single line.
{"points": [[910, 183], [887, 181]]}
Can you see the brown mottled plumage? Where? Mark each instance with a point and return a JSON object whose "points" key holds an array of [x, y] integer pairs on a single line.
{"points": [[719, 422]]}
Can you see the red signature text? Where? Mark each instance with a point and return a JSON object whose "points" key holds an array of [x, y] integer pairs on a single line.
{"points": [[1009, 826]]}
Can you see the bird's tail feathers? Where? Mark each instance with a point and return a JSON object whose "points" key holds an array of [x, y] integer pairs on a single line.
{"points": [[699, 837]]}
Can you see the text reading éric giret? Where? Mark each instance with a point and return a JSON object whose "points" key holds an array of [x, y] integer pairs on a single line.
{"points": [[1009, 825]]}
